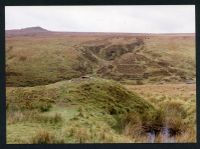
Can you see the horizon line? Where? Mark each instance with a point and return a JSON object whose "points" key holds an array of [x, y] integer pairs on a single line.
{"points": [[101, 32]]}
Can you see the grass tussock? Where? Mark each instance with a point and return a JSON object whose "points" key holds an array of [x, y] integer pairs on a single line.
{"points": [[132, 125], [98, 132], [175, 114], [33, 116], [178, 106], [44, 137], [44, 107], [14, 117], [56, 118], [175, 124], [188, 136]]}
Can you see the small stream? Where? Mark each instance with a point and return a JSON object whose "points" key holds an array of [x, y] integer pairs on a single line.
{"points": [[165, 136]]}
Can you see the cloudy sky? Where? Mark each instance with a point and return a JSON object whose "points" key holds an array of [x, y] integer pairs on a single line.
{"points": [[133, 19]]}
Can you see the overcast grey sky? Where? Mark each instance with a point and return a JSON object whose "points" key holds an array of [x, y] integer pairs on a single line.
{"points": [[133, 19]]}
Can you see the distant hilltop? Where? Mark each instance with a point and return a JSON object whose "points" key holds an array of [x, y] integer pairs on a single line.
{"points": [[29, 31], [34, 29]]}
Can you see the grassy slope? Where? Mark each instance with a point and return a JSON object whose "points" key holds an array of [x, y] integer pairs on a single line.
{"points": [[48, 61], [169, 59], [96, 104], [37, 61], [178, 52]]}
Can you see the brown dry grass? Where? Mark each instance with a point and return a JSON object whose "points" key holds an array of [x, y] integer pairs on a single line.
{"points": [[170, 90], [43, 60]]}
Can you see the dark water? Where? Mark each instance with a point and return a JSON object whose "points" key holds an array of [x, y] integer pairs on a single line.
{"points": [[165, 136], [151, 136]]}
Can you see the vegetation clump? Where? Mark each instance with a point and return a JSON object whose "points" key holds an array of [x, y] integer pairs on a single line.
{"points": [[44, 137]]}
